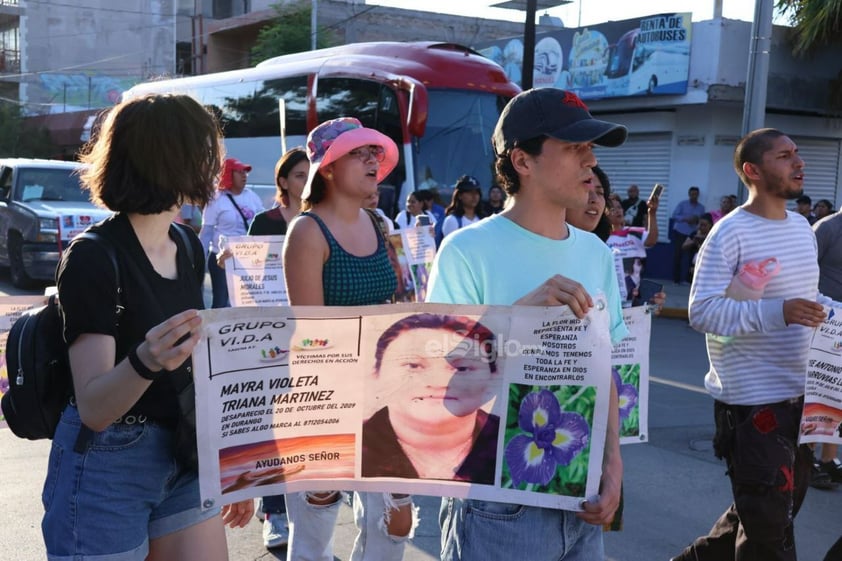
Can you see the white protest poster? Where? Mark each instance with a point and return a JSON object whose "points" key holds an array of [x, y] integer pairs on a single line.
{"points": [[821, 420], [255, 271], [405, 290], [492, 402], [11, 308], [558, 397], [630, 369], [419, 248]]}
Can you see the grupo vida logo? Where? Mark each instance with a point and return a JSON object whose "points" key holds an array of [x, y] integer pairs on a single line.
{"points": [[312, 344]]}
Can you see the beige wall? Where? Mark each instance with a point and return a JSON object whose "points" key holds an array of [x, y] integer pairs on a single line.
{"points": [[76, 56]]}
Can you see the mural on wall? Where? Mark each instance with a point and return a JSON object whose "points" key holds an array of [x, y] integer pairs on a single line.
{"points": [[75, 92], [642, 56]]}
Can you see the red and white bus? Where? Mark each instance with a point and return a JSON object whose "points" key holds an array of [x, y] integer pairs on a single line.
{"points": [[438, 101]]}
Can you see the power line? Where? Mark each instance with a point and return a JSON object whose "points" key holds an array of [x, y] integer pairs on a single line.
{"points": [[98, 32], [85, 65], [25, 3]]}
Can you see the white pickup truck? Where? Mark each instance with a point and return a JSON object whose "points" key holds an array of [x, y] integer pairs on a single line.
{"points": [[42, 207]]}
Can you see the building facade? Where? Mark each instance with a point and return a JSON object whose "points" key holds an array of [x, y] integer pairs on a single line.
{"points": [[688, 140], [61, 57]]}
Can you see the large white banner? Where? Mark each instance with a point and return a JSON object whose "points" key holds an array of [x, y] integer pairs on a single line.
{"points": [[498, 403]]}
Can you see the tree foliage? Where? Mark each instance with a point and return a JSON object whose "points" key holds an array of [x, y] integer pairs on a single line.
{"points": [[816, 23], [18, 139], [289, 33]]}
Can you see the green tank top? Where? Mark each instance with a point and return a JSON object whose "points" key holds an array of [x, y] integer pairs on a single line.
{"points": [[348, 280]]}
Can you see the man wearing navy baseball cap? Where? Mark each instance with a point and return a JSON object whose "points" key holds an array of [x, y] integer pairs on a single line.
{"points": [[543, 143], [554, 113]]}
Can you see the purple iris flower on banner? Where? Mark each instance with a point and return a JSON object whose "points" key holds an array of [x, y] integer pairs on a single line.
{"points": [[553, 438], [627, 394]]}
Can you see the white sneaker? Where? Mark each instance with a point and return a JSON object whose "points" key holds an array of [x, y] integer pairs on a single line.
{"points": [[275, 531]]}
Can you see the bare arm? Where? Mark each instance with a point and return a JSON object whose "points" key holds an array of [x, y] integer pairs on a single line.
{"points": [[651, 223], [104, 391], [305, 253]]}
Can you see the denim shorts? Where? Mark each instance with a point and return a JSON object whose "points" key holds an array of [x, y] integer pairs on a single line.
{"points": [[473, 530], [125, 489]]}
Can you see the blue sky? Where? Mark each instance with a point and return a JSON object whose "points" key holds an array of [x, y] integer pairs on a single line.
{"points": [[592, 11]]}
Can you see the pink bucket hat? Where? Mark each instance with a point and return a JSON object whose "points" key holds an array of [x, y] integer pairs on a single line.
{"points": [[333, 139]]}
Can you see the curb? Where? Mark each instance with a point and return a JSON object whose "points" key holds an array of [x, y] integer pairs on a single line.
{"points": [[674, 313]]}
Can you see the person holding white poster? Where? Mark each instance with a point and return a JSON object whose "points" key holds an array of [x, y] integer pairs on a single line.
{"points": [[828, 468], [335, 255], [120, 483], [544, 148], [228, 214], [437, 372], [758, 349]]}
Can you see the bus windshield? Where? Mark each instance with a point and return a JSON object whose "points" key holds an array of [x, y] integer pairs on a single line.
{"points": [[457, 139]]}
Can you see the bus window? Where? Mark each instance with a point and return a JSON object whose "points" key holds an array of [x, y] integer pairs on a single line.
{"points": [[294, 92], [376, 106], [348, 97], [458, 139], [233, 104]]}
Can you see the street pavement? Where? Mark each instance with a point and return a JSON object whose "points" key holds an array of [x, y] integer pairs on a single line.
{"points": [[674, 487]]}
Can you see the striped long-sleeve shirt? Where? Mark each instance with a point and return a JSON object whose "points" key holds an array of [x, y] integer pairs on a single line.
{"points": [[755, 357]]}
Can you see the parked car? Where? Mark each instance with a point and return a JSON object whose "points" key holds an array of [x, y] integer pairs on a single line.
{"points": [[42, 206]]}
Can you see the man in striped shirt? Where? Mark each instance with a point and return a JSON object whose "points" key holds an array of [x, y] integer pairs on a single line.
{"points": [[758, 353]]}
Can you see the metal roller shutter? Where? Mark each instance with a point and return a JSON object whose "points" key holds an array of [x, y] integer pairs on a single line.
{"points": [[821, 168], [644, 159]]}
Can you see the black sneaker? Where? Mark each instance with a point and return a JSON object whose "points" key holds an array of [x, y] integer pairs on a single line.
{"points": [[832, 468], [820, 479]]}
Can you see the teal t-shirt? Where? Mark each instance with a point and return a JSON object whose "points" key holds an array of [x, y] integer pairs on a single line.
{"points": [[496, 262]]}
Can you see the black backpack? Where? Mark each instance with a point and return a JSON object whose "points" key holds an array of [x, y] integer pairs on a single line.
{"points": [[40, 383]]}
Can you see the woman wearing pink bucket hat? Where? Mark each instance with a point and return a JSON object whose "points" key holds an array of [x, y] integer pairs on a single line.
{"points": [[334, 255]]}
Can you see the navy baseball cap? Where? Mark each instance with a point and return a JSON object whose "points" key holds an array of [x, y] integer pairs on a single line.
{"points": [[552, 112], [467, 183]]}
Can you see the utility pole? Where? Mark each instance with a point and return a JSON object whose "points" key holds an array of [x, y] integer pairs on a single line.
{"points": [[531, 7], [754, 110], [529, 45]]}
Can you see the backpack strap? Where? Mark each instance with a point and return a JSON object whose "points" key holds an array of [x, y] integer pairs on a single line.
{"points": [[188, 245], [86, 434], [108, 247]]}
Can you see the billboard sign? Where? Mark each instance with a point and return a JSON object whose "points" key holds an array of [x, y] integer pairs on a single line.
{"points": [[642, 56]]}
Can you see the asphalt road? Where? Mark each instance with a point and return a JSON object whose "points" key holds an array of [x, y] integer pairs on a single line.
{"points": [[674, 487]]}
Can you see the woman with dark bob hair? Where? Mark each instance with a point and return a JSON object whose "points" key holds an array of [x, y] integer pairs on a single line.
{"points": [[117, 485]]}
